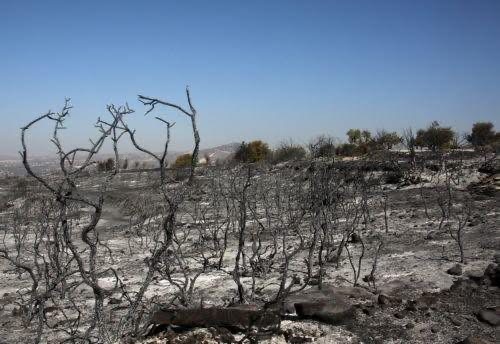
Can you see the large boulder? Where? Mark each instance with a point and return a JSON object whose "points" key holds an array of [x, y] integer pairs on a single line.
{"points": [[330, 312], [330, 305]]}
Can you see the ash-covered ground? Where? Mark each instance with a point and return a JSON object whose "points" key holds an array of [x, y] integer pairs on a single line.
{"points": [[384, 271]]}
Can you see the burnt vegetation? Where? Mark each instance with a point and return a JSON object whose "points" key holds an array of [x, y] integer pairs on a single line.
{"points": [[292, 233]]}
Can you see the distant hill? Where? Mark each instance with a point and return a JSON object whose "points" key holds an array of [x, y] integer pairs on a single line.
{"points": [[12, 165], [219, 152]]}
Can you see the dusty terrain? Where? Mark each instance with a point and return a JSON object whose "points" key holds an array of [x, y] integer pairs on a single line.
{"points": [[415, 299]]}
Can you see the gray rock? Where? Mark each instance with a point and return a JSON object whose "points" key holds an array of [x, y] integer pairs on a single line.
{"points": [[455, 270], [329, 305], [355, 238], [492, 272], [410, 325], [368, 311], [411, 306], [490, 316], [386, 300], [399, 315], [331, 312]]}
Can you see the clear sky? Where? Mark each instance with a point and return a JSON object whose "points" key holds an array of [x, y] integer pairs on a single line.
{"points": [[270, 70]]}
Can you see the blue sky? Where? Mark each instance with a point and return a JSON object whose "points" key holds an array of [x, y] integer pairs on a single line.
{"points": [[268, 70]]}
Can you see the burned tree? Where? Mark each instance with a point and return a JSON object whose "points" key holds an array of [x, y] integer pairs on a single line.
{"points": [[152, 102], [63, 254], [67, 254]]}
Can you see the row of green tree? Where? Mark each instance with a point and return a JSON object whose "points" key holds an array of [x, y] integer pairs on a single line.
{"points": [[435, 137]]}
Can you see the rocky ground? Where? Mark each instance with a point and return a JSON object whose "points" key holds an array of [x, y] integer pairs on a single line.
{"points": [[422, 295]]}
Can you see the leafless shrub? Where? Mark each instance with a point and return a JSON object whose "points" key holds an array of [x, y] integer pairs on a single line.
{"points": [[455, 211], [64, 254]]}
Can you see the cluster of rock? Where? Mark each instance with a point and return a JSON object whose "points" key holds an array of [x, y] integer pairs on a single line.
{"points": [[307, 316], [490, 276], [489, 185]]}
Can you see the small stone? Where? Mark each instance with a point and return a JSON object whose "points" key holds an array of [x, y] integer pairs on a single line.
{"points": [[434, 329], [492, 272], [368, 311], [399, 315], [383, 299], [313, 281], [411, 306], [455, 270], [355, 238]]}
